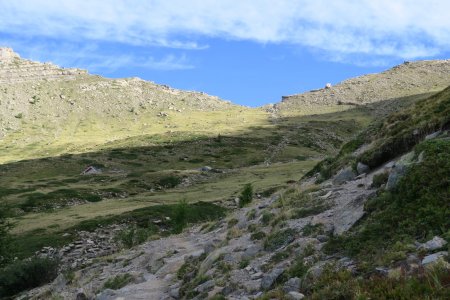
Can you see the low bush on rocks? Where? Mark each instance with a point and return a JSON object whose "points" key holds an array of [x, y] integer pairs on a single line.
{"points": [[118, 281], [340, 284], [380, 179], [279, 239], [27, 274], [246, 195]]}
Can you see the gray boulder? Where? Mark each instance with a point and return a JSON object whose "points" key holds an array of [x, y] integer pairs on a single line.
{"points": [[344, 175], [432, 135], [396, 174], [295, 296], [292, 285], [106, 295], [433, 258], [433, 244], [362, 168], [269, 279], [205, 287]]}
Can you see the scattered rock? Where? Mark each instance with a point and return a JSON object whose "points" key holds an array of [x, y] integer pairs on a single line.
{"points": [[344, 175], [433, 258], [362, 168], [81, 296], [292, 285], [433, 244], [432, 135], [205, 287], [175, 293], [295, 296], [397, 172], [269, 279]]}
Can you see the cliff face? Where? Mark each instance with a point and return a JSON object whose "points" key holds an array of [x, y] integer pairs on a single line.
{"points": [[13, 69]]}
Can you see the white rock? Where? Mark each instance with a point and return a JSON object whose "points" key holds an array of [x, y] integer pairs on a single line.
{"points": [[433, 258], [295, 296], [434, 244]]}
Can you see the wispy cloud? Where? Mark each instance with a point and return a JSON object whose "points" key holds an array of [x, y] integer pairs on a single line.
{"points": [[379, 29]]}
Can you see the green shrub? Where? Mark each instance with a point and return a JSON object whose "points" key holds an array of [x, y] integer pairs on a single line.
{"points": [[258, 235], [279, 239], [118, 281], [5, 238], [169, 182], [232, 222], [243, 263], [380, 179], [180, 218], [27, 274], [58, 197], [134, 236], [267, 217], [298, 268], [332, 284], [246, 195]]}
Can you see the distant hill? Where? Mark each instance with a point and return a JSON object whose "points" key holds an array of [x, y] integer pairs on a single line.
{"points": [[409, 78], [43, 103]]}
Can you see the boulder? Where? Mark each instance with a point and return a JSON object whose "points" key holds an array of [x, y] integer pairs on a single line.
{"points": [[397, 172], [315, 271], [433, 258], [344, 175], [292, 285], [269, 279], [362, 168], [295, 296], [433, 244], [205, 287], [432, 135]]}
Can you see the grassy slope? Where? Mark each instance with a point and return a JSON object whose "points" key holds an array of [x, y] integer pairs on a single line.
{"points": [[134, 166]]}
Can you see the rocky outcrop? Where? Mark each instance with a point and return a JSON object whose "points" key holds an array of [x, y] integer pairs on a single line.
{"points": [[13, 69]]}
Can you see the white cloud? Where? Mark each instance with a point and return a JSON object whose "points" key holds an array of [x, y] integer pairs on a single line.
{"points": [[384, 28]]}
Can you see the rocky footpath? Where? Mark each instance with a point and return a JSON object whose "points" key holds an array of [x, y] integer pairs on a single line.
{"points": [[275, 239]]}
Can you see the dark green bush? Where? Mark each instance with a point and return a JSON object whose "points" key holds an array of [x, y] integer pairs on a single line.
{"points": [[118, 281], [180, 217], [58, 197], [258, 235], [332, 284], [169, 182], [246, 195], [27, 274], [5, 238], [279, 239], [380, 179]]}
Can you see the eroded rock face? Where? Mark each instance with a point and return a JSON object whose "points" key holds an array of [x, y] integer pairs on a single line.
{"points": [[13, 69], [7, 55]]}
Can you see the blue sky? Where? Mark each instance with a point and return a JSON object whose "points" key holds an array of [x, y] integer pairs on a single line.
{"points": [[249, 52]]}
